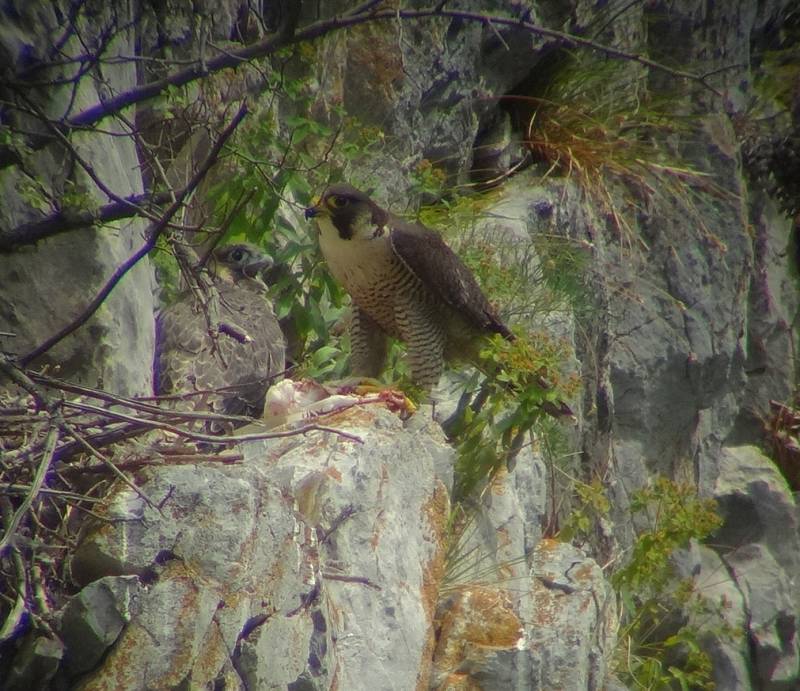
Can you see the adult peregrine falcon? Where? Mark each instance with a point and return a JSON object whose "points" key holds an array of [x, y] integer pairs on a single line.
{"points": [[405, 282], [245, 354]]}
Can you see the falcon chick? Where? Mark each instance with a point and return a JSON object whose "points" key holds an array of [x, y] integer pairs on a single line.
{"points": [[405, 282], [246, 353]]}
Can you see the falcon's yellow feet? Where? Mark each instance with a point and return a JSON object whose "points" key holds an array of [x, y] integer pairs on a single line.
{"points": [[392, 395]]}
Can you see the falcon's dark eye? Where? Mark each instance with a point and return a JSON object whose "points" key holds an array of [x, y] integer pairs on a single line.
{"points": [[338, 201], [237, 255]]}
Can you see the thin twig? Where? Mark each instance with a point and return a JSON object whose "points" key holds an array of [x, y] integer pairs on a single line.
{"points": [[114, 469], [364, 8], [99, 439], [217, 439], [16, 612], [15, 374], [170, 458], [36, 484], [66, 220], [83, 163], [362, 580], [25, 489], [498, 35], [140, 404]]}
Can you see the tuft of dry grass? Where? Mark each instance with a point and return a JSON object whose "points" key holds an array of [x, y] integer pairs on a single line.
{"points": [[595, 123], [782, 435]]}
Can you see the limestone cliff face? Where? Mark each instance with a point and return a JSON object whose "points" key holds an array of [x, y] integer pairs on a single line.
{"points": [[319, 562]]}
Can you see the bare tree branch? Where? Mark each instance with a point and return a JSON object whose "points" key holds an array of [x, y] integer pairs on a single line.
{"points": [[367, 12], [54, 423], [67, 220], [141, 404], [136, 205], [16, 375], [212, 438], [82, 441], [152, 236], [73, 152]]}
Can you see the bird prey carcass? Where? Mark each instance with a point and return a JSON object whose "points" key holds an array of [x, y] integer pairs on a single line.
{"points": [[406, 283], [229, 344]]}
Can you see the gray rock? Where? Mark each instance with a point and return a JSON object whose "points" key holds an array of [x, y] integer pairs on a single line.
{"points": [[325, 549], [503, 525], [268, 659], [93, 619], [773, 304], [529, 481], [759, 544], [574, 630], [772, 619], [130, 546], [758, 507], [426, 422], [430, 102], [35, 664], [687, 337], [47, 286], [495, 150], [722, 619], [480, 633], [552, 629]]}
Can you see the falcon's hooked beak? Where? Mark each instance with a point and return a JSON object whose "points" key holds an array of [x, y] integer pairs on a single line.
{"points": [[316, 209]]}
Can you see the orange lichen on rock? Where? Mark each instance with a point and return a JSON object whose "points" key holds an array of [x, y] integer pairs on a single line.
{"points": [[474, 623], [434, 514]]}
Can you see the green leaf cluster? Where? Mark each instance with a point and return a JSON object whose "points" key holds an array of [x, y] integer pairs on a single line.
{"points": [[591, 506], [428, 180], [519, 377], [283, 155], [678, 515], [659, 649], [271, 174], [522, 376]]}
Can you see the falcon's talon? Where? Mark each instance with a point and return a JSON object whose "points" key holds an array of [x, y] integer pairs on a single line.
{"points": [[368, 387], [398, 402]]}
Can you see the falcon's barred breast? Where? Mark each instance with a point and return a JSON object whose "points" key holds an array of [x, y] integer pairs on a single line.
{"points": [[406, 283], [246, 355]]}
